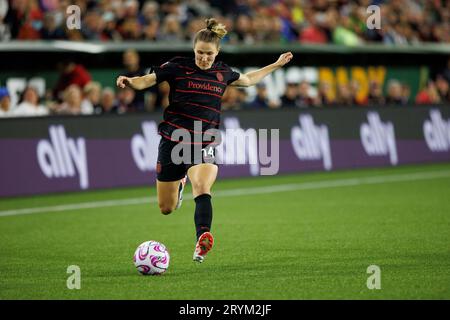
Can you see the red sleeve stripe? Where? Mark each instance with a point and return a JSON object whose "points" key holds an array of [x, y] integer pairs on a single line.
{"points": [[198, 92], [181, 127], [187, 68], [192, 117], [199, 105], [207, 80]]}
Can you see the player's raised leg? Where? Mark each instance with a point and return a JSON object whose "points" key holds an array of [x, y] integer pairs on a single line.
{"points": [[169, 194], [202, 177]]}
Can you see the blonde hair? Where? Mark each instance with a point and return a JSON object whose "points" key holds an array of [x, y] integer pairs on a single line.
{"points": [[91, 86], [213, 32]]}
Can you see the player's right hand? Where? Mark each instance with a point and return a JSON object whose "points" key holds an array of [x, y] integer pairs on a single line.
{"points": [[122, 81]]}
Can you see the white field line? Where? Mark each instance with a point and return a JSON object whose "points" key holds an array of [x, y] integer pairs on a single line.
{"points": [[243, 191]]}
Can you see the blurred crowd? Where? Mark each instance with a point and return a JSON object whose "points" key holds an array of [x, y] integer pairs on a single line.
{"points": [[303, 95], [248, 21], [77, 93]]}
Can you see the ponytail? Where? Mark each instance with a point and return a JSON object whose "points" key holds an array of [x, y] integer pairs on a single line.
{"points": [[213, 32]]}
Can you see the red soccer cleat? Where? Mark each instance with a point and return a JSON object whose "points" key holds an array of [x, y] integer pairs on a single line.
{"points": [[204, 244]]}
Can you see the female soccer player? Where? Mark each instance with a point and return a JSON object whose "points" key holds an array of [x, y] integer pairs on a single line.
{"points": [[196, 89]]}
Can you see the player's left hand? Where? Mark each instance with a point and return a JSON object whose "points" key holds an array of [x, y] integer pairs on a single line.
{"points": [[284, 58]]}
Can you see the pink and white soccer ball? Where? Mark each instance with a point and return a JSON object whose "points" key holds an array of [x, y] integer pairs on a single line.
{"points": [[151, 258]]}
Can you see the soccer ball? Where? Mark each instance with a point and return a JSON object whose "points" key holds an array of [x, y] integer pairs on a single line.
{"points": [[151, 258]]}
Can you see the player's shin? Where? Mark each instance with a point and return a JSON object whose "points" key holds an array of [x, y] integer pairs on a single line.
{"points": [[203, 214]]}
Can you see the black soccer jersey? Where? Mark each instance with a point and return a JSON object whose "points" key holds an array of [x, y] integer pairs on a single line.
{"points": [[195, 95]]}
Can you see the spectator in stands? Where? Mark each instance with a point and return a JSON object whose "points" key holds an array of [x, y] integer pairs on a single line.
{"points": [[5, 32], [125, 98], [71, 104], [231, 37], [243, 29], [375, 96], [25, 19], [313, 32], [131, 8], [406, 93], [261, 100], [232, 99], [242, 97], [74, 35], [342, 32], [108, 103], [151, 31], [173, 7], [92, 26], [344, 95], [193, 26], [149, 13], [288, 27], [70, 73], [29, 104], [442, 87], [394, 36], [171, 29], [109, 31], [131, 61], [50, 30], [130, 30], [358, 99], [289, 98], [274, 30], [428, 95], [324, 94], [304, 98], [260, 28], [91, 97], [394, 93], [5, 103]]}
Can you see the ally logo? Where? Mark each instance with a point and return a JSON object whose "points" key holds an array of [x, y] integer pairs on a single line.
{"points": [[63, 157], [378, 137], [437, 132], [311, 142], [144, 147]]}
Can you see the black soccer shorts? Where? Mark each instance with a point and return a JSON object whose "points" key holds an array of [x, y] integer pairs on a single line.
{"points": [[167, 170]]}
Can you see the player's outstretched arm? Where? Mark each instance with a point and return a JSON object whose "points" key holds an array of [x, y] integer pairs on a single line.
{"points": [[137, 83], [253, 77]]}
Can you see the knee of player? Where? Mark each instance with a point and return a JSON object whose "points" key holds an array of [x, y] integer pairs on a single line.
{"points": [[165, 210], [201, 188]]}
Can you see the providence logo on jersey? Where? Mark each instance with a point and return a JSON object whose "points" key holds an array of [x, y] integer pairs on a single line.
{"points": [[144, 146], [378, 137], [204, 86], [62, 157], [311, 142], [437, 132]]}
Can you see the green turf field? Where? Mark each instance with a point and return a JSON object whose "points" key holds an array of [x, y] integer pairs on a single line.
{"points": [[309, 236]]}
